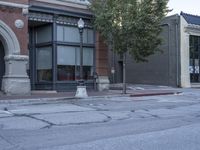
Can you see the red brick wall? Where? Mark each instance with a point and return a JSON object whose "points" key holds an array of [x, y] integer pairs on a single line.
{"points": [[8, 15], [101, 56]]}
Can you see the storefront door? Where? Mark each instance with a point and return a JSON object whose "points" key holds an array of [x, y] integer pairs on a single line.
{"points": [[2, 65], [194, 59]]}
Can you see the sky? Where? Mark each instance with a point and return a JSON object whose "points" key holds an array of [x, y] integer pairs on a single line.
{"points": [[187, 6]]}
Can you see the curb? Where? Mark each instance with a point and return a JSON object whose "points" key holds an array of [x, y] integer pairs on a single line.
{"points": [[53, 100], [154, 94], [62, 99], [33, 100]]}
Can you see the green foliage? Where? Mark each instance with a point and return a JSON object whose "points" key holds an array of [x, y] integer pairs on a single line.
{"points": [[130, 25]]}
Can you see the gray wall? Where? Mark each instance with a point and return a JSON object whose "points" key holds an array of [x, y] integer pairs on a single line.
{"points": [[162, 68]]}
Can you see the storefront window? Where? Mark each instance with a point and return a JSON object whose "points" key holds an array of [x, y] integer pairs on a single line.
{"points": [[87, 72], [87, 63], [194, 59], [44, 64], [68, 63], [44, 34], [89, 36], [71, 34], [56, 58]]}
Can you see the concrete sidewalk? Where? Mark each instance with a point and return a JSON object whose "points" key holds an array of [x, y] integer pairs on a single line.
{"points": [[48, 96], [115, 90]]}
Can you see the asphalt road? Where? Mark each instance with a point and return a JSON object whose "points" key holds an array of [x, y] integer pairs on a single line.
{"points": [[111, 123]]}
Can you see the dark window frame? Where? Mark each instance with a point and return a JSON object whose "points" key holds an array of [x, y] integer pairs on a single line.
{"points": [[54, 43], [76, 44]]}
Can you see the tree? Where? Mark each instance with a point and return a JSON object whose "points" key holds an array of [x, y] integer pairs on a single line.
{"points": [[131, 26]]}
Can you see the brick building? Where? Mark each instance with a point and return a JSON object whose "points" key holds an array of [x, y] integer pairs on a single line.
{"points": [[40, 46]]}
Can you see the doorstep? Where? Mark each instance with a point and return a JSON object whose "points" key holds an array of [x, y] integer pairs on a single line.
{"points": [[195, 85], [43, 92]]}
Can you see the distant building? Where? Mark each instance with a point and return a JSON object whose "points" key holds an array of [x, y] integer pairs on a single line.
{"points": [[177, 65], [39, 46]]}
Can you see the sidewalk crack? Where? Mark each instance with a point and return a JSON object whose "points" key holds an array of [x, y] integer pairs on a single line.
{"points": [[50, 124]]}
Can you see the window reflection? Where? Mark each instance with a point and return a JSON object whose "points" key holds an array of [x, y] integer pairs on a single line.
{"points": [[68, 63], [66, 73], [87, 73], [71, 34], [44, 64]]}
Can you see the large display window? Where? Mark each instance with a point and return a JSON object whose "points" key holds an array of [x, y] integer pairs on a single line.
{"points": [[68, 62], [56, 55]]}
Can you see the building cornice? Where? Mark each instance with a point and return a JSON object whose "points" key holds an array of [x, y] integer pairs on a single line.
{"points": [[69, 3], [9, 4], [193, 29]]}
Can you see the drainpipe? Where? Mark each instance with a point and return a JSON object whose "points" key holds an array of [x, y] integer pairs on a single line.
{"points": [[168, 26]]}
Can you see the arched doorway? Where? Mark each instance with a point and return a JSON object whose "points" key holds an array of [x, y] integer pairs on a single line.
{"points": [[13, 76], [2, 63]]}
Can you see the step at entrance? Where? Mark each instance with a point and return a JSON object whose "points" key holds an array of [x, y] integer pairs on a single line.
{"points": [[195, 85]]}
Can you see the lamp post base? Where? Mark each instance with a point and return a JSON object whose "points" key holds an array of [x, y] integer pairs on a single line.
{"points": [[81, 92]]}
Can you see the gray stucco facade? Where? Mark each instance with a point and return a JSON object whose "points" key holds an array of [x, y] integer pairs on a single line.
{"points": [[169, 67]]}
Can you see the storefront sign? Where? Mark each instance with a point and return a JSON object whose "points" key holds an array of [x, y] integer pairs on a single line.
{"points": [[194, 69]]}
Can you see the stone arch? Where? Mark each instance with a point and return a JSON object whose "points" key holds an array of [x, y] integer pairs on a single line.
{"points": [[9, 40], [15, 80]]}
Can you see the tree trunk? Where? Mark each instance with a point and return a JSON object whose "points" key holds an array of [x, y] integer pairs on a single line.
{"points": [[124, 73]]}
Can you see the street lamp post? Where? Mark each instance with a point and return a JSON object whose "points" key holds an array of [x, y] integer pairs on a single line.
{"points": [[81, 27], [81, 88]]}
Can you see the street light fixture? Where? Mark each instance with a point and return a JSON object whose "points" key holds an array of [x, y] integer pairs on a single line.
{"points": [[81, 88], [81, 24]]}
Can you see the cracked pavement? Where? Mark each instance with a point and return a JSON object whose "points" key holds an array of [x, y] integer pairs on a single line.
{"points": [[134, 123]]}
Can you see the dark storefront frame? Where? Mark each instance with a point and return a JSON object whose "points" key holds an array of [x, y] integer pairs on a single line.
{"points": [[2, 62], [54, 21], [194, 59]]}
